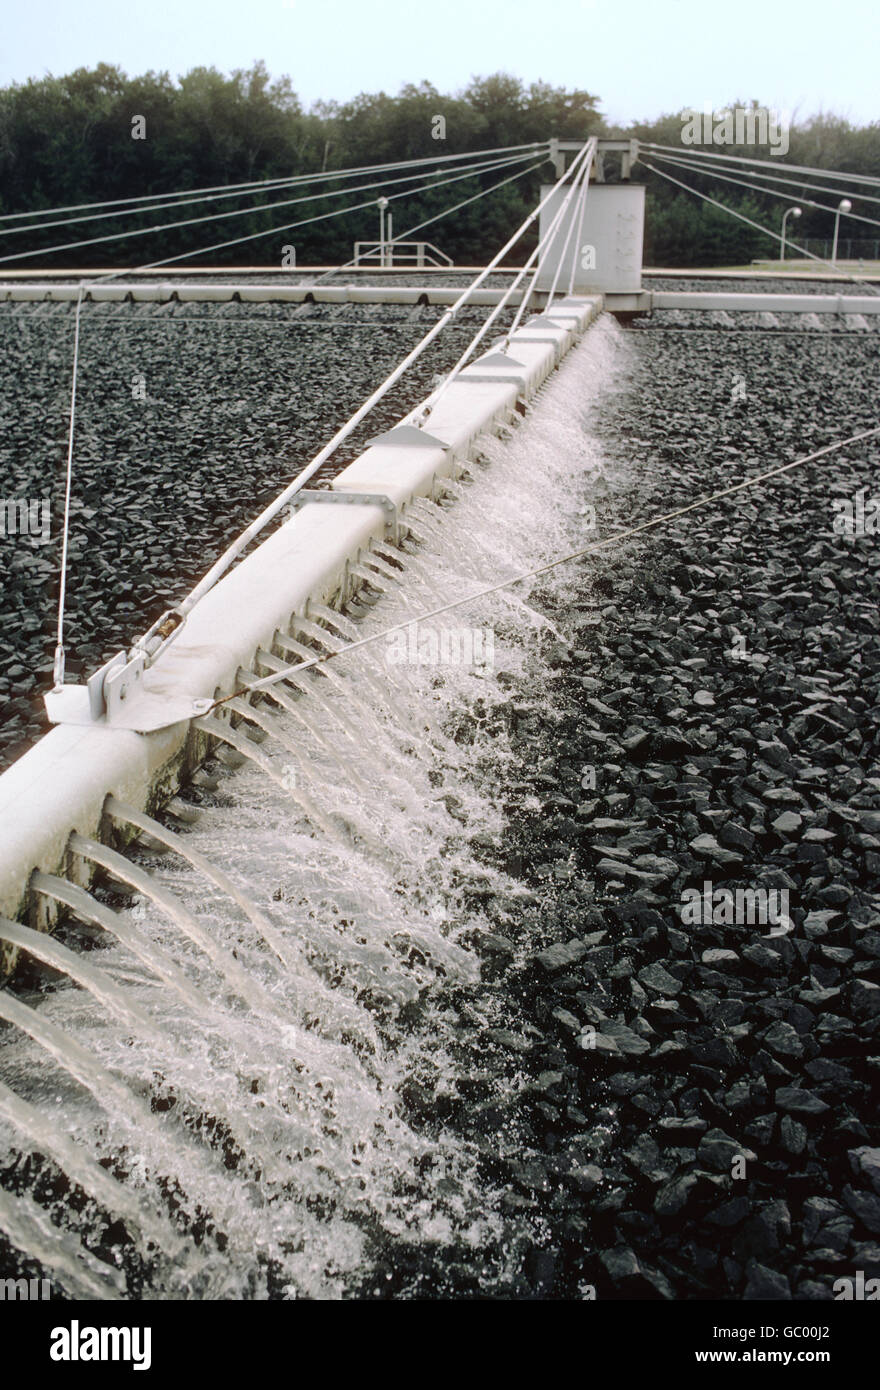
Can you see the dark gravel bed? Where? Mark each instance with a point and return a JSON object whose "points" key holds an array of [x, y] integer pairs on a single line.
{"points": [[708, 320], [237, 399], [680, 1108], [763, 285]]}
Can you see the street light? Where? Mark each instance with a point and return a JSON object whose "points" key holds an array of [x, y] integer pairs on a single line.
{"points": [[843, 206], [789, 212], [382, 204]]}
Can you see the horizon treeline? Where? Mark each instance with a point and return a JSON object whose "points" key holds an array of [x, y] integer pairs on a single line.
{"points": [[72, 140]]}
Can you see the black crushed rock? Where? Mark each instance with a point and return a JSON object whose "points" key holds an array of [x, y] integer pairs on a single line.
{"points": [[237, 398], [695, 1113]]}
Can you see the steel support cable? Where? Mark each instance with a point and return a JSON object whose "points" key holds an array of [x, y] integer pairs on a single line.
{"points": [[271, 511], [869, 179], [583, 207], [423, 413], [842, 274], [437, 217], [421, 177], [713, 173], [584, 191], [421, 416], [266, 682], [686, 154], [58, 666], [302, 222], [225, 189], [583, 173], [447, 212], [159, 207], [294, 181]]}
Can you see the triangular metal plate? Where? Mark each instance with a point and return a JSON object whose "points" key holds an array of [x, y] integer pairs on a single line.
{"points": [[498, 359], [408, 437]]}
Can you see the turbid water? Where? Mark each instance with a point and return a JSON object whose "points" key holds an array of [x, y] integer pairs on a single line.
{"points": [[256, 1143]]}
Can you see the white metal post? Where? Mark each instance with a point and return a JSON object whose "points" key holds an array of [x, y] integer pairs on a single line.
{"points": [[382, 204], [843, 206], [789, 212]]}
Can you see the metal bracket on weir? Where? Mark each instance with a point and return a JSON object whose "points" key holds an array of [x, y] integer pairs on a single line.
{"points": [[356, 499], [114, 694]]}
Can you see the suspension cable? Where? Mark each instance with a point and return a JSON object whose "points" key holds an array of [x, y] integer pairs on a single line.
{"points": [[267, 187], [421, 415], [766, 163], [421, 177], [842, 274], [266, 682], [767, 192], [59, 663], [437, 217], [588, 152], [58, 667], [272, 510], [264, 186], [303, 222], [583, 207], [222, 189], [771, 178], [573, 196], [311, 284]]}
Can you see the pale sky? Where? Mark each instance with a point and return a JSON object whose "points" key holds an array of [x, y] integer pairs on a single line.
{"points": [[639, 57]]}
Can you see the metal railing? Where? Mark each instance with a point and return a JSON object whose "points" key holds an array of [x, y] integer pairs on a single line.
{"points": [[389, 253]]}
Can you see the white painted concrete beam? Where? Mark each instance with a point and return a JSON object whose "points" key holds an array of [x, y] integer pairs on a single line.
{"points": [[60, 785]]}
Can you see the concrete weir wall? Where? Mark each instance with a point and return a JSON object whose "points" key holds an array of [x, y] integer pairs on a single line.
{"points": [[62, 783], [199, 293]]}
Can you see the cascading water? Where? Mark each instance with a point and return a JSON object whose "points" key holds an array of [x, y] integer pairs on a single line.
{"points": [[267, 1128]]}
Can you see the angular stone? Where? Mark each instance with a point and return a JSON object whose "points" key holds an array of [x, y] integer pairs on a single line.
{"points": [[865, 999], [865, 1206], [763, 1284], [818, 1211], [658, 980], [561, 956], [586, 1177], [730, 1213], [708, 848], [735, 836], [784, 1040], [620, 1263], [865, 1162], [799, 1102], [793, 1135], [717, 1151], [716, 955], [674, 1196], [627, 1041]]}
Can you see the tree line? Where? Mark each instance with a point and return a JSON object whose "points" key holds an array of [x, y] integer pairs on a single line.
{"points": [[97, 134]]}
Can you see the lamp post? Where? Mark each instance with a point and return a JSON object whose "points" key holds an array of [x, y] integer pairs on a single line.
{"points": [[382, 204], [789, 212], [843, 206]]}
